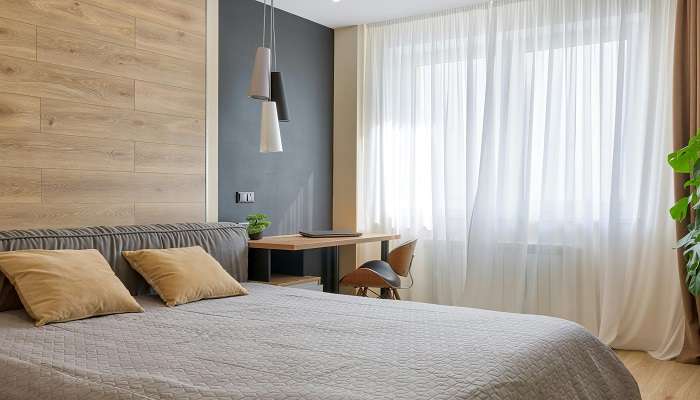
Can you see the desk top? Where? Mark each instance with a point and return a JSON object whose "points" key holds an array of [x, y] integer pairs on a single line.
{"points": [[298, 242]]}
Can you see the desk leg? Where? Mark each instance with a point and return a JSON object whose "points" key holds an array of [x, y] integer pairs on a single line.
{"points": [[330, 272], [385, 250], [259, 265], [384, 293]]}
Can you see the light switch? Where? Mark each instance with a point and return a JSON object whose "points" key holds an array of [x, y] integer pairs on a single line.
{"points": [[245, 197]]}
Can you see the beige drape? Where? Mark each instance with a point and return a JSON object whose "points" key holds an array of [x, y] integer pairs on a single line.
{"points": [[686, 118]]}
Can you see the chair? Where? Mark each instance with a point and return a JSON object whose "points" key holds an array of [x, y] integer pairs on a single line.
{"points": [[385, 275]]}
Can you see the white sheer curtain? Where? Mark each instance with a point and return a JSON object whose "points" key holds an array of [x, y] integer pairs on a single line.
{"points": [[524, 143]]}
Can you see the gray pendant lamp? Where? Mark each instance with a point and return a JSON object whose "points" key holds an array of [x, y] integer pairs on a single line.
{"points": [[260, 80], [276, 84]]}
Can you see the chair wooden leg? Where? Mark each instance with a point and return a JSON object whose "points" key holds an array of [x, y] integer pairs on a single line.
{"points": [[396, 294]]}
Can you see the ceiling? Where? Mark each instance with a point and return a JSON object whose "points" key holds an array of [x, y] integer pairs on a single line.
{"points": [[355, 12]]}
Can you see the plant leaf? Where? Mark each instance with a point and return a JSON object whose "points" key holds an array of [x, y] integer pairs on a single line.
{"points": [[694, 286], [689, 238], [683, 160], [696, 167], [692, 279], [254, 230], [680, 209], [693, 200], [692, 182]]}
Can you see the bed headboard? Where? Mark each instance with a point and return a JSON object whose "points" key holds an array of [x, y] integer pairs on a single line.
{"points": [[227, 242]]}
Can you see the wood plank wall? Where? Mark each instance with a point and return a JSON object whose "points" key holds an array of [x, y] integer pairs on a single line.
{"points": [[102, 112]]}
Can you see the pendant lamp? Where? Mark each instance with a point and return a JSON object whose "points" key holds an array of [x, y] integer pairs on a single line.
{"points": [[277, 95], [276, 84], [260, 80], [270, 138]]}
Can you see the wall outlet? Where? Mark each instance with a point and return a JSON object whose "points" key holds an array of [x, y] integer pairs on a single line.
{"points": [[245, 197]]}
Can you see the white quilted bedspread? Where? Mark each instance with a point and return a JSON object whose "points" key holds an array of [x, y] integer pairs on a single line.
{"points": [[280, 343]]}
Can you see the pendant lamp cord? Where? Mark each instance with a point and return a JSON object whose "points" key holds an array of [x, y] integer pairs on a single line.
{"points": [[274, 37], [264, 22]]}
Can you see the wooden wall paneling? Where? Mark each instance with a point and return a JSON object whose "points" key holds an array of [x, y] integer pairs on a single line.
{"points": [[163, 99], [70, 122], [20, 185], [26, 216], [58, 82], [93, 55], [19, 113], [170, 41], [168, 213], [17, 39], [168, 188], [97, 121], [68, 152], [72, 16], [70, 186], [169, 159], [189, 15]]}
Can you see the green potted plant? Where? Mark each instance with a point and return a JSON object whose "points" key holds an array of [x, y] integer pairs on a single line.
{"points": [[257, 223], [687, 161]]}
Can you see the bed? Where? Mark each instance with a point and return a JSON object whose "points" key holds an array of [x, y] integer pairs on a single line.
{"points": [[285, 343]]}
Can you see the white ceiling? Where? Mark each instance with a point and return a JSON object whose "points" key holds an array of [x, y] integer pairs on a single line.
{"points": [[356, 12]]}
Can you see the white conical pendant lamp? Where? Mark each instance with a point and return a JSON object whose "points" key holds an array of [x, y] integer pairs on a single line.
{"points": [[270, 138], [260, 79]]}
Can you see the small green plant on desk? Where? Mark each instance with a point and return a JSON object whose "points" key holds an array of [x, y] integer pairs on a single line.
{"points": [[687, 161], [257, 223]]}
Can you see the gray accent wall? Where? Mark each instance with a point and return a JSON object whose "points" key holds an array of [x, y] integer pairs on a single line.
{"points": [[293, 187]]}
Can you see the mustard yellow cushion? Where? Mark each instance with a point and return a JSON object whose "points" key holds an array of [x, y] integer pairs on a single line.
{"points": [[183, 275], [65, 285]]}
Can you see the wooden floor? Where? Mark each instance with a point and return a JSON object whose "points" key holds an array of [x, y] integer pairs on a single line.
{"points": [[662, 380]]}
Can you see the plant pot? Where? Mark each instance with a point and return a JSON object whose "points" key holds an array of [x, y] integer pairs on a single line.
{"points": [[255, 236]]}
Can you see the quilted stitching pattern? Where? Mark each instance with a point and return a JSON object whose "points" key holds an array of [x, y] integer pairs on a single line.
{"points": [[282, 343]]}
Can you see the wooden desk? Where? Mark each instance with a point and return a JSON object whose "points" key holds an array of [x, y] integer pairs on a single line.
{"points": [[260, 254]]}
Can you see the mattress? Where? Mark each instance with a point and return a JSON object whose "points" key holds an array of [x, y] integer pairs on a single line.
{"points": [[285, 343]]}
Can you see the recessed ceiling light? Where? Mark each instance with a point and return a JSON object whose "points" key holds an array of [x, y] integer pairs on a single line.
{"points": [[336, 1]]}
